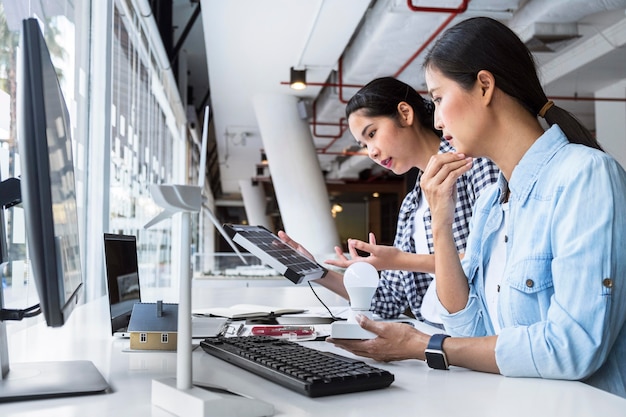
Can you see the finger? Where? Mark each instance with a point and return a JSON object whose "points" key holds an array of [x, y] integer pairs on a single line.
{"points": [[341, 263], [340, 254], [437, 162], [351, 249], [363, 246], [368, 324], [285, 238], [353, 345], [372, 238]]}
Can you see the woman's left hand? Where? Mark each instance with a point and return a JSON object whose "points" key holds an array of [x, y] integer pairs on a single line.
{"points": [[394, 341]]}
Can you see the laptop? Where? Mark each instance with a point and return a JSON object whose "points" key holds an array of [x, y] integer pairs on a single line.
{"points": [[124, 289], [273, 252]]}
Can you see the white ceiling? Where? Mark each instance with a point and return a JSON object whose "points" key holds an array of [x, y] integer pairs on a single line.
{"points": [[251, 44]]}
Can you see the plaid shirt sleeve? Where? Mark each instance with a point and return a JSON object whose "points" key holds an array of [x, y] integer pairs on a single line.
{"points": [[398, 290]]}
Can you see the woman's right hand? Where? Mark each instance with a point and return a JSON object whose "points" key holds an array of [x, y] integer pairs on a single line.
{"points": [[439, 184], [289, 241]]}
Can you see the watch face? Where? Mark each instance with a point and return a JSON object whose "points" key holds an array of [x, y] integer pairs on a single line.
{"points": [[436, 360]]}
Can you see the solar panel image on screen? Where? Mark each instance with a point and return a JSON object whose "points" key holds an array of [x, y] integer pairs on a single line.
{"points": [[273, 252]]}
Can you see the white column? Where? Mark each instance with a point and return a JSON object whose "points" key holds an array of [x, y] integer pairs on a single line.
{"points": [[611, 121], [296, 174], [254, 200]]}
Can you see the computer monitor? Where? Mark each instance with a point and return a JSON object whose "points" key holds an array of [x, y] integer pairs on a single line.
{"points": [[48, 196], [48, 186]]}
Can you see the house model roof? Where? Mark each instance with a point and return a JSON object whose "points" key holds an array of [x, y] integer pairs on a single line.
{"points": [[154, 317]]}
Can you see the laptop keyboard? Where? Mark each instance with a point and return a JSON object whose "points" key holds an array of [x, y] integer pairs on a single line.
{"points": [[300, 368]]}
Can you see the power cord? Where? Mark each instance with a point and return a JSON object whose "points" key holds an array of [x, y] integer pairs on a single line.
{"points": [[11, 314], [332, 316]]}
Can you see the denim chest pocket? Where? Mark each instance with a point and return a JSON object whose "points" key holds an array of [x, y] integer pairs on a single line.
{"points": [[529, 290]]}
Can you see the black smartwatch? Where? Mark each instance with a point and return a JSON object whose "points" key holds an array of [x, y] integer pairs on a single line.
{"points": [[435, 356]]}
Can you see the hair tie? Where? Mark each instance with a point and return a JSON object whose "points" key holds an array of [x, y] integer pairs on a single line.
{"points": [[545, 108]]}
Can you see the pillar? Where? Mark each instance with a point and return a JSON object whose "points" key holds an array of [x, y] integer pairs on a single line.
{"points": [[296, 174], [255, 202]]}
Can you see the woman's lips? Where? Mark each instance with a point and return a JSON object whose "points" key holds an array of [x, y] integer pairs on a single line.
{"points": [[386, 163]]}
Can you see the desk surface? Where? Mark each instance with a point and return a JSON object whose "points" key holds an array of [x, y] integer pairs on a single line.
{"points": [[417, 390]]}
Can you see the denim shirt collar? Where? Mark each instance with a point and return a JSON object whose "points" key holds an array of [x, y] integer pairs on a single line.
{"points": [[527, 171]]}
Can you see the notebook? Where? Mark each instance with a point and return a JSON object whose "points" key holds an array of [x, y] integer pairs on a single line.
{"points": [[273, 252], [124, 290]]}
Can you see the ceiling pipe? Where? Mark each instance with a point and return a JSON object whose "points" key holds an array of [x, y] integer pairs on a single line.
{"points": [[462, 8], [340, 84]]}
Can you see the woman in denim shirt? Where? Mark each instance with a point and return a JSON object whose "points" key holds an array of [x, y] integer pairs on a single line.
{"points": [[541, 291]]}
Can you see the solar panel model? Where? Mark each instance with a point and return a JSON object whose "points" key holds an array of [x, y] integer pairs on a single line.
{"points": [[275, 253]]}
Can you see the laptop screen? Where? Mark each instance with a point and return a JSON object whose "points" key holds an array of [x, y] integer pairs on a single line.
{"points": [[122, 271]]}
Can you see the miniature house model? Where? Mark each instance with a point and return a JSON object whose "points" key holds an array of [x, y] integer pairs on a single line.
{"points": [[153, 326]]}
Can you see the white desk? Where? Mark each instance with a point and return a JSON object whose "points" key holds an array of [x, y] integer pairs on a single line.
{"points": [[417, 390]]}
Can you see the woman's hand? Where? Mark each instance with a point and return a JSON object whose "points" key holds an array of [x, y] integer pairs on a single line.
{"points": [[439, 184], [289, 241], [394, 341], [380, 256]]}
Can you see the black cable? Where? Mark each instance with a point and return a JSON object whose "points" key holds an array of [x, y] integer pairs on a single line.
{"points": [[17, 315], [332, 316]]}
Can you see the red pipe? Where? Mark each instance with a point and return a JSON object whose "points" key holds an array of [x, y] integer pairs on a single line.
{"points": [[428, 41], [453, 13], [462, 8]]}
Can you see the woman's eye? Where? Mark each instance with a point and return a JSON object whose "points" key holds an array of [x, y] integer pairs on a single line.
{"points": [[371, 134]]}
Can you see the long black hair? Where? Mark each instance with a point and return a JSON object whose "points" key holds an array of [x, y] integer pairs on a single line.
{"points": [[381, 96], [482, 43]]}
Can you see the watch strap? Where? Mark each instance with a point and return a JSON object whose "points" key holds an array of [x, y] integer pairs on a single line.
{"points": [[436, 341], [434, 354]]}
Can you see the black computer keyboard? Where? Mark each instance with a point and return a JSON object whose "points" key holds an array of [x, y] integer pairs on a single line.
{"points": [[300, 368]]}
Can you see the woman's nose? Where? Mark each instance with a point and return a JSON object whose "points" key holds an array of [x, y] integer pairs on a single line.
{"points": [[437, 120], [373, 152]]}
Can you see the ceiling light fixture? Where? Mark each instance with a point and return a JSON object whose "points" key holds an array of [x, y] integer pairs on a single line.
{"points": [[298, 79]]}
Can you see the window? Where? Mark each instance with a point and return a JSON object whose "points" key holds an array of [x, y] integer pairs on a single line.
{"points": [[164, 337], [143, 337]]}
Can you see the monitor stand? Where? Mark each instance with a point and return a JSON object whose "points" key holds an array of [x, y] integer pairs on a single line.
{"points": [[38, 380], [33, 380]]}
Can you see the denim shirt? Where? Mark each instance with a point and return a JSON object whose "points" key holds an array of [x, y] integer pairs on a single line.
{"points": [[562, 300]]}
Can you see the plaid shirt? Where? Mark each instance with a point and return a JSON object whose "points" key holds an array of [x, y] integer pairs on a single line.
{"points": [[398, 290]]}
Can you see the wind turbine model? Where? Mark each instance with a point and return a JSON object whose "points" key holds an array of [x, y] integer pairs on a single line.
{"points": [[180, 396]]}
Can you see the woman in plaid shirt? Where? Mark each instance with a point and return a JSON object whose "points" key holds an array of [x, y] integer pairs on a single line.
{"points": [[395, 124]]}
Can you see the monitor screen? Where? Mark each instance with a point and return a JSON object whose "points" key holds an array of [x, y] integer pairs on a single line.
{"points": [[47, 182]]}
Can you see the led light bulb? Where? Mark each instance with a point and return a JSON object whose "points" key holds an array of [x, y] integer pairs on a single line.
{"points": [[360, 280]]}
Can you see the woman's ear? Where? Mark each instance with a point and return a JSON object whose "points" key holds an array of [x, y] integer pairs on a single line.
{"points": [[406, 113], [487, 84]]}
